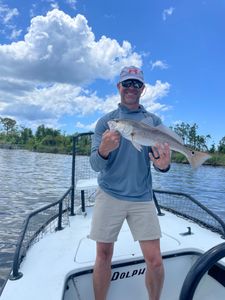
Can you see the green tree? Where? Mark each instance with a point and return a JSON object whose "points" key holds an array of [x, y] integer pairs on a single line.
{"points": [[84, 145], [9, 125], [201, 142], [25, 135], [43, 131], [212, 148], [221, 147], [183, 131], [40, 132], [190, 137]]}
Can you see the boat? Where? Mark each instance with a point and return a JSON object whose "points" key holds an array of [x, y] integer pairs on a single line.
{"points": [[54, 257]]}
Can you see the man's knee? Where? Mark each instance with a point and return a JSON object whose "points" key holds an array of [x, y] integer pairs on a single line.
{"points": [[154, 261], [104, 251], [152, 254]]}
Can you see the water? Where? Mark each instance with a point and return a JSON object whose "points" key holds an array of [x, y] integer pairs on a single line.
{"points": [[28, 181], [31, 180], [206, 184]]}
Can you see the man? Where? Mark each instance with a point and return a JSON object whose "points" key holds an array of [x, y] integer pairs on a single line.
{"points": [[125, 188]]}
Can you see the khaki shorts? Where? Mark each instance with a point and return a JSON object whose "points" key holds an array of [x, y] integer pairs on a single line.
{"points": [[110, 213]]}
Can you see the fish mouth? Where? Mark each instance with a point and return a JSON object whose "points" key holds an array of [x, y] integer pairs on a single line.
{"points": [[112, 124]]}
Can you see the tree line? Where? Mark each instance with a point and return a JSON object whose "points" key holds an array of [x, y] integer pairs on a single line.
{"points": [[43, 140], [191, 138], [46, 139]]}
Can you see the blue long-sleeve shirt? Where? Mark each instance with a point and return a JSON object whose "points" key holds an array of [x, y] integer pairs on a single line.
{"points": [[126, 173]]}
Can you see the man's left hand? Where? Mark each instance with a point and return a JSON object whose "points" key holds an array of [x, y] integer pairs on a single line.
{"points": [[160, 156]]}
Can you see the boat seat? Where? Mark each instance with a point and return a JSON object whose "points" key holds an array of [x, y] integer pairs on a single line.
{"points": [[85, 184]]}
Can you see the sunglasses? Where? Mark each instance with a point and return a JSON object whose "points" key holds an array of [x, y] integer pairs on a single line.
{"points": [[132, 82]]}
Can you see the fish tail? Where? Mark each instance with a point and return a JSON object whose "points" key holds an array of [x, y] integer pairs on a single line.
{"points": [[197, 158]]}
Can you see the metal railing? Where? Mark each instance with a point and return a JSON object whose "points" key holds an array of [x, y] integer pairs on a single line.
{"points": [[46, 215], [73, 175], [188, 207], [23, 244]]}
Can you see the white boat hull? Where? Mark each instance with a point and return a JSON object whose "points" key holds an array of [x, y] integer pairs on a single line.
{"points": [[60, 265]]}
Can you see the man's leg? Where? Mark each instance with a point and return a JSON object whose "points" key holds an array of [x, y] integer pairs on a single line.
{"points": [[154, 277], [102, 270]]}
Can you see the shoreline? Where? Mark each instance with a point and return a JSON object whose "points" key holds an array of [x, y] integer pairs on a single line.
{"points": [[217, 159]]}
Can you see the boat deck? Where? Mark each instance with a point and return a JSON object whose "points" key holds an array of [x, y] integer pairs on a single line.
{"points": [[70, 250]]}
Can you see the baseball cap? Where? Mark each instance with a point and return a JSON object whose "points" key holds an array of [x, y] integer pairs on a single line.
{"points": [[131, 72]]}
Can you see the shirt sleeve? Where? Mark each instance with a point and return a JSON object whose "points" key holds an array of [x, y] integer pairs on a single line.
{"points": [[160, 170], [97, 162]]}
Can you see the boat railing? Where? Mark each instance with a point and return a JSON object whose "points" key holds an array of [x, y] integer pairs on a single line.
{"points": [[54, 216], [81, 169], [51, 217], [188, 207]]}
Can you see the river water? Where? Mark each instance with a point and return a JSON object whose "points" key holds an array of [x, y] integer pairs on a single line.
{"points": [[30, 180]]}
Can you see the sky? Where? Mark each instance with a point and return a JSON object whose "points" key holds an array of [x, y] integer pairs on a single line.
{"points": [[60, 61]]}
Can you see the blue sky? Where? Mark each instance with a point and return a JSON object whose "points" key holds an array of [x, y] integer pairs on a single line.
{"points": [[60, 60]]}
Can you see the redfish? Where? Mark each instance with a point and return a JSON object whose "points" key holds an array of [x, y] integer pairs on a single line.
{"points": [[141, 134]]}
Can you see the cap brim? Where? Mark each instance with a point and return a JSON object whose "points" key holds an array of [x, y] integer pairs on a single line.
{"points": [[131, 76]]}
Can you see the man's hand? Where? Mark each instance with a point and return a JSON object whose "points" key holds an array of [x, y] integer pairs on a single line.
{"points": [[110, 141], [160, 156]]}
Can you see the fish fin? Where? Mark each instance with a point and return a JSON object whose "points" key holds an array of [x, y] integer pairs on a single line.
{"points": [[197, 158], [170, 132], [137, 146], [164, 129]]}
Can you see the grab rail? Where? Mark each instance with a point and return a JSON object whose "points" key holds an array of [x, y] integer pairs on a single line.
{"points": [[17, 256], [200, 267], [73, 175], [71, 191], [180, 210]]}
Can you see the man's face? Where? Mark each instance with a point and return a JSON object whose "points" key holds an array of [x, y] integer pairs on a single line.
{"points": [[130, 91]]}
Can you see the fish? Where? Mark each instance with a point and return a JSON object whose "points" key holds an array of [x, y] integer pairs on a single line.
{"points": [[142, 134]]}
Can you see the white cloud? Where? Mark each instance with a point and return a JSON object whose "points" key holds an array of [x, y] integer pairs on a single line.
{"points": [[177, 122], [72, 3], [88, 127], [7, 14], [159, 64], [50, 102], [54, 5], [45, 76], [153, 93], [15, 33], [109, 103], [167, 12], [58, 48], [149, 100]]}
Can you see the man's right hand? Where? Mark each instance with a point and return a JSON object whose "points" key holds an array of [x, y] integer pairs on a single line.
{"points": [[110, 141]]}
